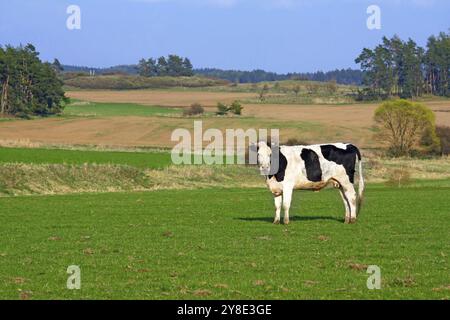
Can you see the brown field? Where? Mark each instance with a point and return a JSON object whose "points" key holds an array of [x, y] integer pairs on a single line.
{"points": [[309, 123], [152, 131], [359, 115], [165, 98]]}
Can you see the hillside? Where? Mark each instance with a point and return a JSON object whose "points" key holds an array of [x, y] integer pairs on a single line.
{"points": [[341, 76], [129, 82]]}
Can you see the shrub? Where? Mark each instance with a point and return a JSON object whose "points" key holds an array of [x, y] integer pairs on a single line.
{"points": [[443, 134], [402, 125], [193, 110], [312, 87], [368, 94], [236, 108], [222, 109], [331, 87]]}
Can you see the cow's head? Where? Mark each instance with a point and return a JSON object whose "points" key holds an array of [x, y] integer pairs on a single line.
{"points": [[264, 157]]}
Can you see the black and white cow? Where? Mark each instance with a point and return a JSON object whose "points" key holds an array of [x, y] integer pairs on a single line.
{"points": [[313, 168]]}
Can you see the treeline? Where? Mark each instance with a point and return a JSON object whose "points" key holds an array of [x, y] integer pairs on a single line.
{"points": [[172, 66], [404, 69], [343, 76], [28, 86], [131, 69]]}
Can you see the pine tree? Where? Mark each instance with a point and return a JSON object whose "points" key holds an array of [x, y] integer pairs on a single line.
{"points": [[28, 86]]}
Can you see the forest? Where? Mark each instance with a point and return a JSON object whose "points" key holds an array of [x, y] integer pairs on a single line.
{"points": [[28, 85], [404, 69]]}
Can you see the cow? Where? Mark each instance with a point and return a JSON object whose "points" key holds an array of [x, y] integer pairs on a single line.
{"points": [[312, 167]]}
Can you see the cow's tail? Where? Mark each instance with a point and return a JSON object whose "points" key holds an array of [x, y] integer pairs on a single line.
{"points": [[361, 185]]}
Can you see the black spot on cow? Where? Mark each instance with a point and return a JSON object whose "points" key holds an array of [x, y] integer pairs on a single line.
{"points": [[312, 165], [345, 157], [282, 164]]}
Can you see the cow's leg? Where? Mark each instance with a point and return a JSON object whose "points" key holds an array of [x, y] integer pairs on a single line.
{"points": [[287, 198], [278, 202], [350, 195], [347, 209]]}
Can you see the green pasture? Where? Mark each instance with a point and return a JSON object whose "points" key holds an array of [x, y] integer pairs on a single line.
{"points": [[96, 109], [221, 244], [62, 156]]}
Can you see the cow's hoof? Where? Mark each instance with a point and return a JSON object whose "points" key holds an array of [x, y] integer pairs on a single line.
{"points": [[347, 220], [276, 222], [352, 220], [286, 221]]}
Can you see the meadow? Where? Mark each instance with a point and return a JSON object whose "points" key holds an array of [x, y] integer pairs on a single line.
{"points": [[78, 157], [221, 244], [123, 82], [88, 188], [92, 109]]}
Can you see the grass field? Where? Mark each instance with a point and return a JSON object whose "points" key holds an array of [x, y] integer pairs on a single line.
{"points": [[141, 228], [91, 109], [220, 243], [52, 156]]}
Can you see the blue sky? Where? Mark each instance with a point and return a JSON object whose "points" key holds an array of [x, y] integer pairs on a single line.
{"points": [[275, 35]]}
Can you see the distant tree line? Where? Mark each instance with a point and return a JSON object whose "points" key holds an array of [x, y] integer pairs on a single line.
{"points": [[404, 69], [172, 66], [343, 76], [131, 69], [28, 86]]}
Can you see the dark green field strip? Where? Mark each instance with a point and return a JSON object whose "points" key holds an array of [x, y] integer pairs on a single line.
{"points": [[116, 109], [209, 244], [52, 156], [62, 156]]}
